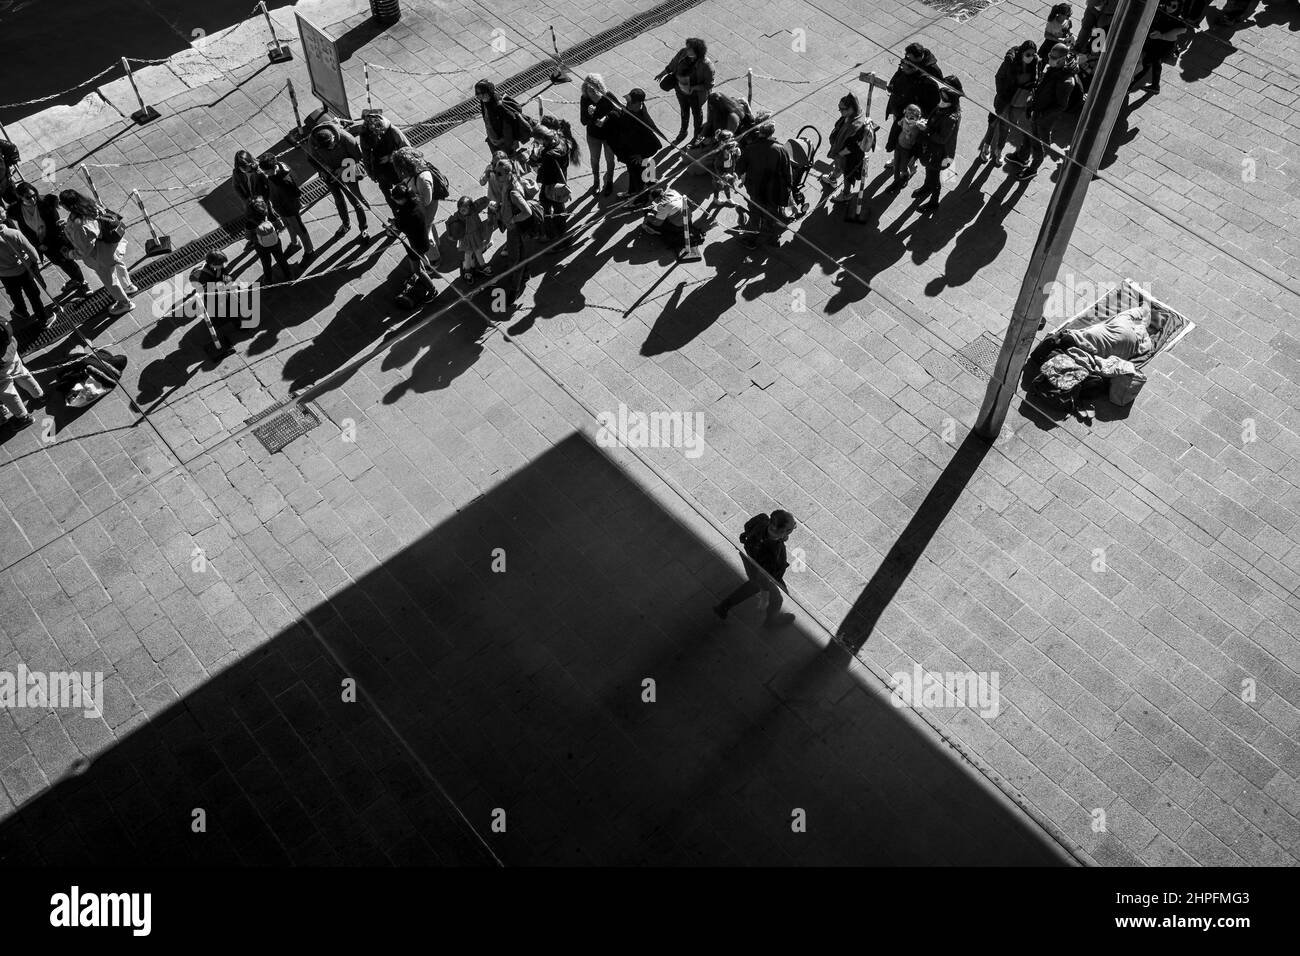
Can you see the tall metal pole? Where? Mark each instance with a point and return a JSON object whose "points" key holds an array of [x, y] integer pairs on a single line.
{"points": [[1107, 97]]}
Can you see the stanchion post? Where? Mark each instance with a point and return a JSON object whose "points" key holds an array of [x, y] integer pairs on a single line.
{"points": [[276, 51], [689, 252], [749, 82], [155, 245], [299, 132], [91, 183], [558, 75], [366, 68], [146, 113]]}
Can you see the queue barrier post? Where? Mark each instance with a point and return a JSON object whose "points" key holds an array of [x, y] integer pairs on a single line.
{"points": [[85, 172], [276, 51], [155, 245], [146, 113], [689, 253], [559, 74]]}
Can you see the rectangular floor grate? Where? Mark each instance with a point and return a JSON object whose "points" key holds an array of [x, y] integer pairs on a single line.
{"points": [[981, 356], [278, 431]]}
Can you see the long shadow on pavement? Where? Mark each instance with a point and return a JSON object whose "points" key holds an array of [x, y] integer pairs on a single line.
{"points": [[524, 690]]}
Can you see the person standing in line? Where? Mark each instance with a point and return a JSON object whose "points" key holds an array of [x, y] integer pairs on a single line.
{"points": [[98, 238], [338, 154], [18, 262], [1013, 85], [284, 194], [559, 151], [37, 218], [1059, 28], [424, 182], [1050, 101], [473, 237], [13, 376], [380, 140], [597, 108], [1166, 29], [915, 81], [765, 166], [847, 147], [505, 123], [636, 140], [263, 231], [906, 142], [245, 177], [690, 74], [939, 142], [511, 209], [408, 221], [765, 560]]}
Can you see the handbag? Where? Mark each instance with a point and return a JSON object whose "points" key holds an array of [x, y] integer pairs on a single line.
{"points": [[558, 193]]}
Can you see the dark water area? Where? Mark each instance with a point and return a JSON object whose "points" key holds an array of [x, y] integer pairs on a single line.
{"points": [[48, 46]]}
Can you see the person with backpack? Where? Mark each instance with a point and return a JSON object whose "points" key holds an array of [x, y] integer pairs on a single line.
{"points": [[597, 108], [514, 208], [278, 185], [690, 75], [263, 230], [18, 271], [408, 221], [1013, 85], [380, 140], [765, 167], [914, 81], [504, 120], [764, 538], [337, 154], [1057, 93], [559, 151], [1166, 29], [13, 376], [428, 185], [98, 238], [939, 142], [636, 140], [38, 218]]}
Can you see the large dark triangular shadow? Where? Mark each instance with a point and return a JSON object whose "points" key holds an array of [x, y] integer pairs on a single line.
{"points": [[911, 544]]}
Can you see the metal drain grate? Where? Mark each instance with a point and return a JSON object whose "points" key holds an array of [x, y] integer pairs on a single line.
{"points": [[961, 10], [276, 432], [186, 257], [981, 356]]}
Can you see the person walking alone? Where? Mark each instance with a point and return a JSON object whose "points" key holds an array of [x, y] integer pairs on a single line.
{"points": [[765, 559]]}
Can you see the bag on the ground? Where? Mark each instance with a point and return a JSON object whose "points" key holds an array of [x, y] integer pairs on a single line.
{"points": [[111, 227], [522, 123], [1124, 388], [1061, 378]]}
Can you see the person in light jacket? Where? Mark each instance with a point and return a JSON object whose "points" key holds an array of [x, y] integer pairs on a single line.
{"points": [[106, 259]]}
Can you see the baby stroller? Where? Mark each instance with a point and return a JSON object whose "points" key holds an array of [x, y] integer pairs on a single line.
{"points": [[803, 154]]}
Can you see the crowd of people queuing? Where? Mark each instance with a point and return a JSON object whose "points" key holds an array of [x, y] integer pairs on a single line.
{"points": [[1038, 86]]}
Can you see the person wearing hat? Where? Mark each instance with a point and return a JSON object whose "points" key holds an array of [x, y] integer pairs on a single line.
{"points": [[939, 145], [338, 155], [1049, 102], [765, 559]]}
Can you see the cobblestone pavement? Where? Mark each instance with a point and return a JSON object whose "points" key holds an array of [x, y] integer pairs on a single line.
{"points": [[1122, 689]]}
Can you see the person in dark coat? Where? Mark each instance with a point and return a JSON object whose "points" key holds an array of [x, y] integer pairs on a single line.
{"points": [[765, 559], [504, 128], [597, 107], [1013, 85], [38, 218], [940, 141], [338, 155], [1050, 101], [285, 196], [636, 141], [847, 147], [765, 166], [914, 81], [409, 222], [559, 151], [1166, 29], [693, 71], [379, 140], [243, 175]]}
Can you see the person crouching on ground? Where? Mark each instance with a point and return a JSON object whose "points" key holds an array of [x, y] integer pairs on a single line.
{"points": [[667, 214], [940, 143], [107, 258], [263, 231], [285, 196], [765, 559], [473, 237], [408, 222]]}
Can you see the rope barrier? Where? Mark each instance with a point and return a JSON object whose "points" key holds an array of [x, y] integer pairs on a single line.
{"points": [[55, 96], [397, 69]]}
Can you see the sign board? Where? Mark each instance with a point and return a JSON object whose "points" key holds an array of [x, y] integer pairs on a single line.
{"points": [[322, 57]]}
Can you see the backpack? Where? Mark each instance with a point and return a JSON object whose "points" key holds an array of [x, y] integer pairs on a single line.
{"points": [[111, 227], [267, 234], [456, 227], [441, 185], [1077, 96], [519, 119]]}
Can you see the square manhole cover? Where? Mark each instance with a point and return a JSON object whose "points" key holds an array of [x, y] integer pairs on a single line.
{"points": [[981, 356], [293, 421]]}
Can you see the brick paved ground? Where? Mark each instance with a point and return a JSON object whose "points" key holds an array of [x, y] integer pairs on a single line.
{"points": [[1121, 689]]}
